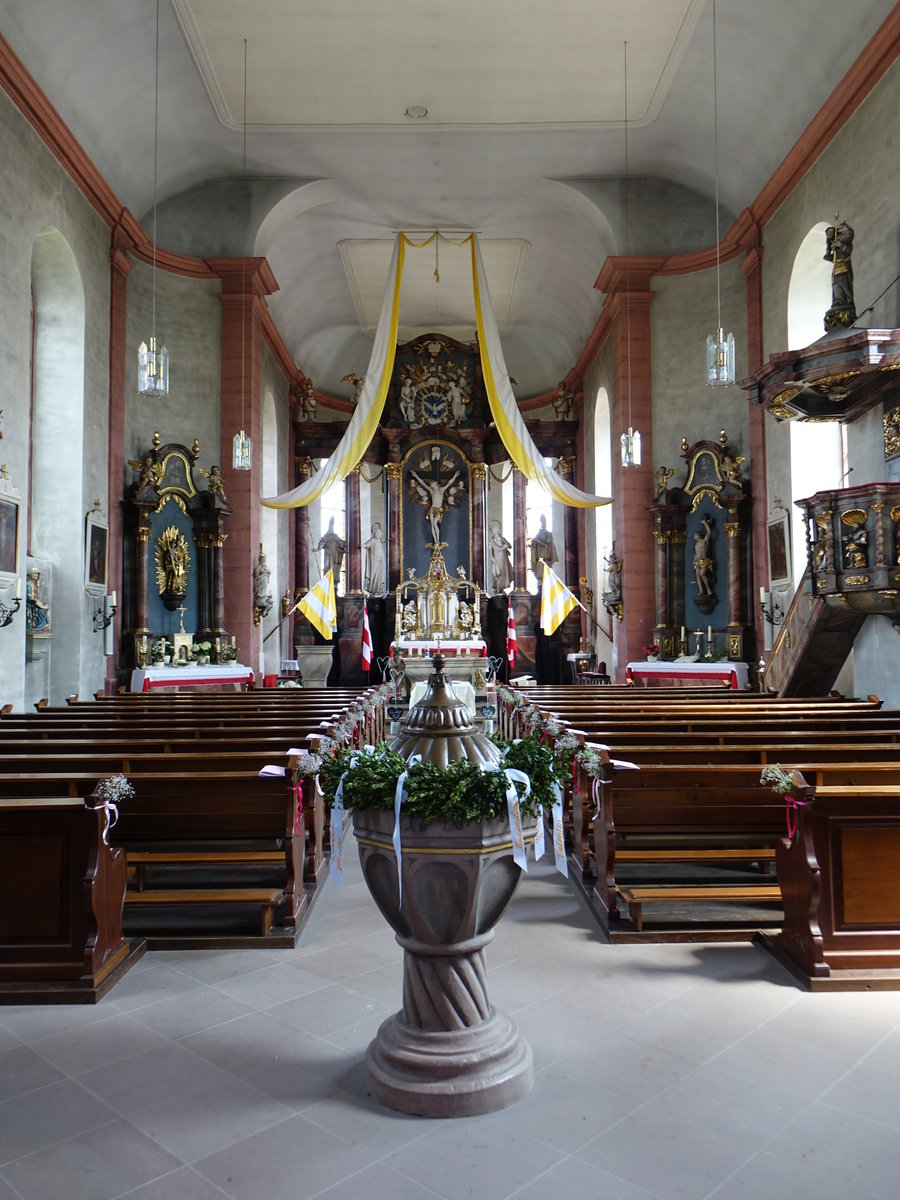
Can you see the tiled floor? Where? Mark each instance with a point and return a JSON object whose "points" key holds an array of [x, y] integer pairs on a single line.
{"points": [[666, 1071]]}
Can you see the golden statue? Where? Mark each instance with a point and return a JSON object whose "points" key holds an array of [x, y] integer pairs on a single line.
{"points": [[173, 561]]}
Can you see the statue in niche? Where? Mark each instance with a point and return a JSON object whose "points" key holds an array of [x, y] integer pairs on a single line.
{"points": [[37, 614], [173, 561], [332, 546], [704, 567], [543, 550], [856, 552], [838, 250], [459, 401], [435, 497], [501, 566], [373, 575]]}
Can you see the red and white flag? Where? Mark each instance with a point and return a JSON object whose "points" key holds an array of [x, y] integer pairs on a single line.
{"points": [[512, 643], [366, 640]]}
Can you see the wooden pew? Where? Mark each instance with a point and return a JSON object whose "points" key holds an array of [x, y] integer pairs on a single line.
{"points": [[61, 893], [172, 808], [840, 877]]}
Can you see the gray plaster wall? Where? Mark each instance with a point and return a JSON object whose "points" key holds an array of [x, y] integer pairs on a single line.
{"points": [[189, 323], [858, 175], [39, 195], [682, 315]]}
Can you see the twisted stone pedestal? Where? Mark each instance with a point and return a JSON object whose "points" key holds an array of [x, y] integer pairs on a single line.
{"points": [[448, 1052]]}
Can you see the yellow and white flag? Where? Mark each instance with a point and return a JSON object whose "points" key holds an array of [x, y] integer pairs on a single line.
{"points": [[320, 607], [556, 602]]}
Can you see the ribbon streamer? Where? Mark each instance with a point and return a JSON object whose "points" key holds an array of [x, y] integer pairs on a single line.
{"points": [[791, 805], [337, 835], [110, 818], [559, 841], [516, 832]]}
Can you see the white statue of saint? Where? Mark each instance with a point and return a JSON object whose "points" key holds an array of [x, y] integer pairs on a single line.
{"points": [[543, 550], [501, 566], [332, 546], [373, 574]]}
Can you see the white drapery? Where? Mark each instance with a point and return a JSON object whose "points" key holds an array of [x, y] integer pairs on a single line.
{"points": [[504, 410]]}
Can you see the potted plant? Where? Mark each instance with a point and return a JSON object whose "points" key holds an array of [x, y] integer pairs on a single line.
{"points": [[161, 652], [200, 652], [650, 652], [448, 1052], [229, 653]]}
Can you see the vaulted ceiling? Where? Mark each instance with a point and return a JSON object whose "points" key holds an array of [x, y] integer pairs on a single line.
{"points": [[365, 117]]}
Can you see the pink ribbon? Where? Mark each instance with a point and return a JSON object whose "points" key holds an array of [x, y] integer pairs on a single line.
{"points": [[790, 813], [297, 789]]}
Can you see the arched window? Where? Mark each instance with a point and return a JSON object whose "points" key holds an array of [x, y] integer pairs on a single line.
{"points": [[818, 450], [603, 519], [58, 505]]}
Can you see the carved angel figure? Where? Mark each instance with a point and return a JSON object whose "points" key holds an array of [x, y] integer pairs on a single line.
{"points": [[435, 497], [149, 471]]}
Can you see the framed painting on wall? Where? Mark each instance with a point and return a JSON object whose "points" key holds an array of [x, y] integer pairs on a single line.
{"points": [[10, 508], [779, 539], [96, 553]]}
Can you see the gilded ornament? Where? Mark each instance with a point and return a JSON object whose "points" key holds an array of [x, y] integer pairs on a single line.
{"points": [[732, 529], [856, 580], [782, 413], [173, 562]]}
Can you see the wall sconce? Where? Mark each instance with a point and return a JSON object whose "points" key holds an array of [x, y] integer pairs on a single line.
{"points": [[8, 611], [104, 613], [772, 611]]}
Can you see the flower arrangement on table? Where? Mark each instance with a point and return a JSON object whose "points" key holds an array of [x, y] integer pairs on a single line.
{"points": [[160, 650], [650, 651], [228, 653], [200, 651], [458, 793]]}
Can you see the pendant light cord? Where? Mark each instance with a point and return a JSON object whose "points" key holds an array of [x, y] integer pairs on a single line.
{"points": [[627, 259], [244, 254], [716, 169], [155, 167]]}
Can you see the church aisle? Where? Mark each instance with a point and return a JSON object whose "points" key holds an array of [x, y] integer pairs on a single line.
{"points": [[668, 1072]]}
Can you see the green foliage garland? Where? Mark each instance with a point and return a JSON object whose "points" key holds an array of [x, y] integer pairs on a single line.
{"points": [[459, 793]]}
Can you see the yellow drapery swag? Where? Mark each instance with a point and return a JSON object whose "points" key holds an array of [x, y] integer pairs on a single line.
{"points": [[504, 410], [319, 606]]}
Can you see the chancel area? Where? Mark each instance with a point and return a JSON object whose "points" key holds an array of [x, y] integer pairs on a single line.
{"points": [[550, 351]]}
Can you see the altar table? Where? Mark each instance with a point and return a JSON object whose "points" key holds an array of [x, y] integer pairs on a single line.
{"points": [[213, 675], [735, 674]]}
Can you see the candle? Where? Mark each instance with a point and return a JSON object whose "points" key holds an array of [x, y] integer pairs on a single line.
{"points": [[762, 595], [18, 589], [232, 641], [112, 600], [709, 633], [682, 634]]}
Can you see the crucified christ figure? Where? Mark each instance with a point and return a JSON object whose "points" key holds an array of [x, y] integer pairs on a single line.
{"points": [[435, 497]]}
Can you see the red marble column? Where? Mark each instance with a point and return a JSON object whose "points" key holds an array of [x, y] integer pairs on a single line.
{"points": [[245, 283], [393, 471], [520, 533], [662, 578], [218, 582], [627, 284], [566, 468], [142, 580], [353, 533], [118, 368], [733, 537]]}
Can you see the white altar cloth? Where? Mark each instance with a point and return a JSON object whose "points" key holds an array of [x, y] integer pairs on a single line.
{"points": [[735, 674], [148, 679]]}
